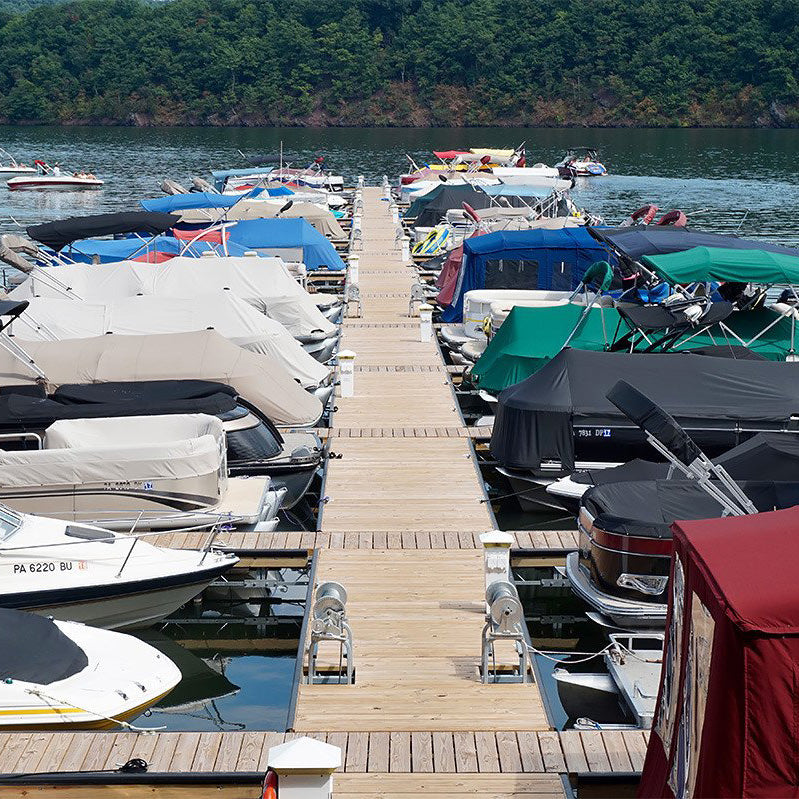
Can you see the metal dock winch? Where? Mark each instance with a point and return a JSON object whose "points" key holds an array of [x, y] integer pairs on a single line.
{"points": [[504, 622], [329, 623]]}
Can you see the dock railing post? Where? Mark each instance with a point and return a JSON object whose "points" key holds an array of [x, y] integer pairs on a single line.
{"points": [[425, 322], [352, 269], [346, 366], [304, 768]]}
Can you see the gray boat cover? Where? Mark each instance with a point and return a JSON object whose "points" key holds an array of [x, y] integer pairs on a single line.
{"points": [[202, 355], [52, 318], [35, 650], [535, 418], [134, 448], [265, 283]]}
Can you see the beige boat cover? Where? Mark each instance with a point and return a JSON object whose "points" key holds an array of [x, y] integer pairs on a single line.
{"points": [[51, 318], [264, 283], [321, 218], [136, 448], [201, 355]]}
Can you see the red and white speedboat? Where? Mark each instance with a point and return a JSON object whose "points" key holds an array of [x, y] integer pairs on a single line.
{"points": [[53, 177]]}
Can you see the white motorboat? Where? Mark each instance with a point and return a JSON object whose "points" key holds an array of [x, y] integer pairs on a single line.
{"points": [[92, 575], [10, 167], [581, 162], [61, 675], [151, 472], [53, 177]]}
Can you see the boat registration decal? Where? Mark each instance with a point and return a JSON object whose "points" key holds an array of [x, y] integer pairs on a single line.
{"points": [[47, 566]]}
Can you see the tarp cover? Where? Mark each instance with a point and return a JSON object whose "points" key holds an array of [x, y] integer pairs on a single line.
{"points": [[271, 236], [637, 241], [202, 355], [648, 508], [131, 448], [50, 318], [725, 716], [58, 234], [264, 283], [553, 259], [35, 650], [529, 337], [716, 264], [535, 418]]}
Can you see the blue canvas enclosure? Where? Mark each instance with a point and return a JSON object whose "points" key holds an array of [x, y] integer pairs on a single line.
{"points": [[290, 239], [554, 260]]}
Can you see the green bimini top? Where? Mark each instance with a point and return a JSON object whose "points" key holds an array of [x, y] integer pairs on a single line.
{"points": [[530, 337], [713, 263]]}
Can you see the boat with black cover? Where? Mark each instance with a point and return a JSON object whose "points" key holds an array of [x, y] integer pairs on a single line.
{"points": [[559, 419], [622, 566]]}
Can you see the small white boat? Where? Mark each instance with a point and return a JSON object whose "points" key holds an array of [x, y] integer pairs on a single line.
{"points": [[10, 167], [63, 675], [88, 574], [581, 162], [53, 177]]}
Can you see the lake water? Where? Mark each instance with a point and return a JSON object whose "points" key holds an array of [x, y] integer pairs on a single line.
{"points": [[726, 180]]}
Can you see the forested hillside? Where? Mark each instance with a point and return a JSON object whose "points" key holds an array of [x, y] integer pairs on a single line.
{"points": [[402, 62]]}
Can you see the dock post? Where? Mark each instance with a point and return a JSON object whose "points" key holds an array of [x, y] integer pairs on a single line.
{"points": [[354, 264], [304, 768], [346, 364], [406, 249], [426, 322], [496, 556]]}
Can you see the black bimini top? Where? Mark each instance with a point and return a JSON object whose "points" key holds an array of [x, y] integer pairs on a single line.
{"points": [[648, 508], [535, 418], [58, 234], [35, 650], [638, 240], [766, 456]]}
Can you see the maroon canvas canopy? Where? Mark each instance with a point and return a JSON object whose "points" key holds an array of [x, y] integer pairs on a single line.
{"points": [[727, 716]]}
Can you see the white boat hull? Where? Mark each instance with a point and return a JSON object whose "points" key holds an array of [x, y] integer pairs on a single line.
{"points": [[49, 182]]}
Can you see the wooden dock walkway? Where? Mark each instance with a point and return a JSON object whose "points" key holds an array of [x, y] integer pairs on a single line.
{"points": [[405, 506]]}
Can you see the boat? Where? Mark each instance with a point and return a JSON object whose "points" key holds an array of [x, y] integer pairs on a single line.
{"points": [[633, 662], [727, 683], [65, 676], [622, 566], [60, 318], [10, 167], [89, 574], [254, 444], [581, 162], [561, 417], [264, 283], [204, 355], [49, 177], [148, 472], [765, 456]]}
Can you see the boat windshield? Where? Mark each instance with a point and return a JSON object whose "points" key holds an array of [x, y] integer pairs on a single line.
{"points": [[10, 522]]}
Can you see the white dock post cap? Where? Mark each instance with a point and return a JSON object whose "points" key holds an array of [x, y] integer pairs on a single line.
{"points": [[305, 768], [496, 538], [346, 355], [304, 755], [360, 181], [425, 322]]}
